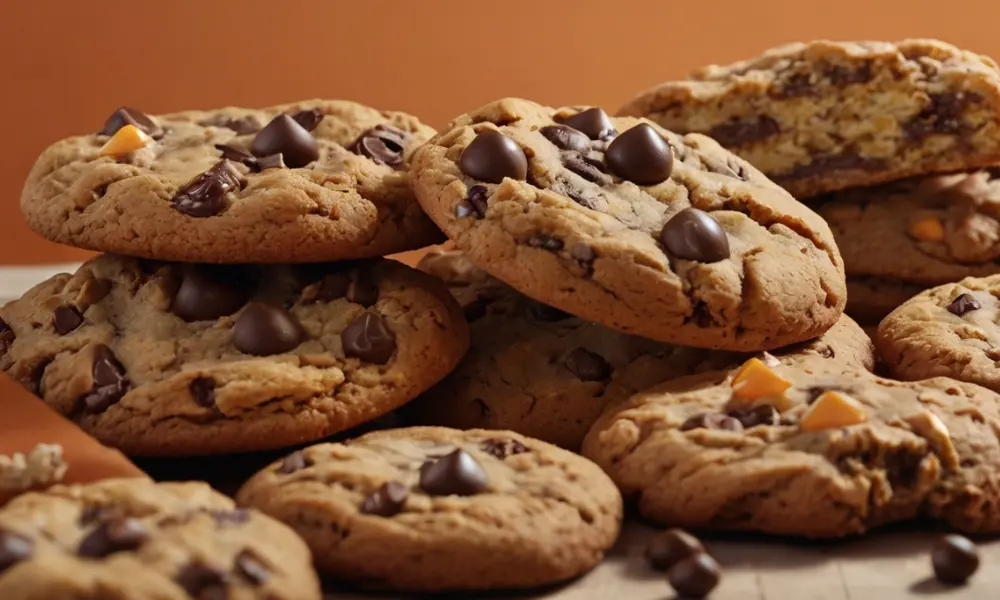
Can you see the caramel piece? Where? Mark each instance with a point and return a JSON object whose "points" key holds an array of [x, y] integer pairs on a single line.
{"points": [[127, 139], [756, 380], [831, 410], [928, 229], [930, 427]]}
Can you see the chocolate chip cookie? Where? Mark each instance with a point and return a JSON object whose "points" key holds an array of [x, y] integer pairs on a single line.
{"points": [[186, 359], [132, 539], [320, 180], [543, 373], [823, 116], [434, 509], [622, 223], [806, 447]]}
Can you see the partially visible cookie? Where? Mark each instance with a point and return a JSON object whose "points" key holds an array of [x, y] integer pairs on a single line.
{"points": [[185, 359], [318, 180], [41, 467], [822, 116], [132, 539], [434, 509]]}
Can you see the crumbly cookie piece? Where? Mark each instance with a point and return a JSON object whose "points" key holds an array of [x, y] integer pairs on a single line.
{"points": [[630, 226], [186, 359], [318, 180], [41, 467], [434, 509], [132, 539], [823, 116]]}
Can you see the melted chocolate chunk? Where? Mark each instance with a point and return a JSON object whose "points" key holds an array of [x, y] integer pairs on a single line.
{"points": [[203, 391], [386, 501], [590, 169], [205, 195], [502, 448], [369, 338], [116, 535], [207, 293], [309, 119], [110, 382], [493, 157], [963, 304], [593, 122], [457, 474], [545, 242], [131, 116], [712, 421], [7, 337], [66, 318], [383, 144], [283, 135], [265, 330], [566, 138], [943, 115], [641, 156], [587, 366], [739, 133], [694, 234]]}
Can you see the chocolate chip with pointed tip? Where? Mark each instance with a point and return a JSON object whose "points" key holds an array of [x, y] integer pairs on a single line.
{"points": [[283, 135], [14, 548], [110, 383], [592, 122], [309, 119], [502, 448], [457, 473], [116, 535], [369, 338], [131, 116], [587, 366], [388, 500], [66, 318], [493, 157], [383, 144], [208, 292], [965, 303], [205, 195], [296, 461], [641, 156], [265, 330], [694, 234], [565, 137]]}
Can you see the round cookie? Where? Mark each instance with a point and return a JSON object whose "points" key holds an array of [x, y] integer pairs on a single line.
{"points": [[132, 539], [318, 180], [545, 374], [630, 226], [434, 509], [168, 359]]}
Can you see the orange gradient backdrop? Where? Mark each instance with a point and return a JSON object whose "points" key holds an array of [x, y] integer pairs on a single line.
{"points": [[67, 65]]}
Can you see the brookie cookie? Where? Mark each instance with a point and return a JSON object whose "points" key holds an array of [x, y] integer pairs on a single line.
{"points": [[823, 116], [808, 448], [320, 180], [633, 227], [132, 539], [546, 374], [434, 509], [164, 359]]}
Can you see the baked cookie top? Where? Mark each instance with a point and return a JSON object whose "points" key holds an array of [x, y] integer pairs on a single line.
{"points": [[317, 180], [183, 359], [135, 539], [631, 226]]}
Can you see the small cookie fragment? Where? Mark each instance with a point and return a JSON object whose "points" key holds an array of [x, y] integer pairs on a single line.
{"points": [[42, 467]]}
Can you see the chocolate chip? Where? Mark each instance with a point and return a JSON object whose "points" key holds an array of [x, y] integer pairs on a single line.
{"points": [[7, 337], [205, 195], [694, 576], [738, 133], [295, 461], [593, 122], [363, 289], [264, 330], [236, 516], [587, 366], [242, 125], [763, 414], [383, 144], [203, 582], [283, 135], [842, 76], [963, 304], [475, 310], [943, 115], [477, 197], [712, 421], [273, 161], [333, 287], [492, 157], [250, 566], [457, 473], [544, 312], [545, 242], [502, 448], [954, 558], [207, 293], [369, 338], [236, 155], [118, 535], [386, 501], [590, 169], [14, 548], [309, 119], [641, 156], [66, 318], [130, 116], [566, 138], [110, 383], [670, 547], [694, 234], [93, 513], [203, 391]]}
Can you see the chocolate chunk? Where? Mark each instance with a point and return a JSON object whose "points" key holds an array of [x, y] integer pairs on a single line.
{"points": [[333, 287], [66, 318], [363, 289], [763, 414], [207, 293], [118, 535], [593, 122], [963, 304], [295, 461], [130, 116], [251, 567], [902, 467], [545, 242], [502, 448], [203, 391], [383, 144], [943, 115], [265, 330], [477, 197], [203, 582], [456, 474], [694, 234], [842, 76], [544, 312], [236, 155], [205, 195], [641, 156], [587, 366], [283, 135], [386, 501], [14, 548], [954, 558], [590, 169], [93, 513], [738, 133], [694, 576], [7, 337], [566, 138], [369, 338], [670, 547], [309, 119], [712, 421], [273, 161], [492, 157], [244, 125], [236, 516], [110, 383]]}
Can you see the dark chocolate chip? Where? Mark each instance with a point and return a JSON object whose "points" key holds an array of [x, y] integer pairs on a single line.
{"points": [[283, 135], [14, 548], [590, 169], [205, 195], [369, 338], [477, 197], [475, 310], [386, 501], [7, 337], [763, 414], [694, 234], [264, 330], [333, 287], [670, 547], [244, 125], [457, 473], [641, 156], [273, 161], [943, 115], [117, 535], [295, 461], [110, 383], [902, 467], [738, 133], [545, 242], [236, 516], [593, 122], [236, 155], [383, 144], [566, 138], [544, 312], [841, 76], [251, 567], [502, 448], [130, 116], [93, 513], [203, 391], [363, 289], [207, 293], [712, 421], [203, 582], [954, 558], [309, 119], [694, 576], [492, 157], [66, 318], [963, 304], [587, 366]]}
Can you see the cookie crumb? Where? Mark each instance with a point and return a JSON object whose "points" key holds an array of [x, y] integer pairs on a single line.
{"points": [[42, 467]]}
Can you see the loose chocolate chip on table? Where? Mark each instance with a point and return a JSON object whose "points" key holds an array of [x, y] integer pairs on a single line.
{"points": [[205, 195], [694, 234], [207, 293], [545, 242], [954, 558], [309, 119], [587, 366], [457, 473], [590, 169], [963, 304], [295, 461], [670, 547], [110, 383], [66, 318], [7, 337], [369, 338], [736, 133], [383, 144], [566, 138], [504, 448], [641, 156], [386, 501], [763, 414], [694, 576], [712, 421], [118, 535], [264, 330], [363, 289], [492, 157], [593, 122], [14, 548], [130, 116], [242, 125], [283, 135], [236, 155], [251, 567], [203, 582], [203, 391]]}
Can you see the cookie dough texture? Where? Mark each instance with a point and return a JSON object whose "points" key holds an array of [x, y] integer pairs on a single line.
{"points": [[174, 541], [548, 375], [591, 249], [343, 205], [139, 377], [546, 514], [823, 116], [41, 467], [927, 448]]}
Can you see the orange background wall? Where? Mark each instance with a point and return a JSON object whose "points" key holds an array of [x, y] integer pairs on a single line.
{"points": [[66, 64]]}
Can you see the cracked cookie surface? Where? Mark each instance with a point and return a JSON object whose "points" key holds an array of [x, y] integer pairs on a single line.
{"points": [[434, 509], [132, 539], [704, 251], [183, 359], [353, 199], [823, 116]]}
